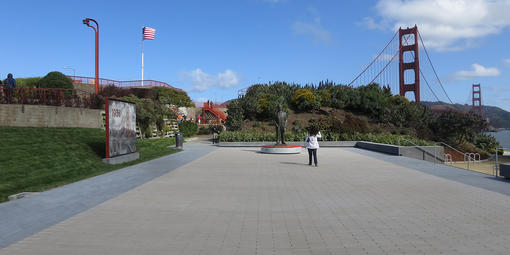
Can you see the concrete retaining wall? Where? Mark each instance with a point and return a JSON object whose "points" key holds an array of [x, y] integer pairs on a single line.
{"points": [[379, 147], [428, 153], [49, 116]]}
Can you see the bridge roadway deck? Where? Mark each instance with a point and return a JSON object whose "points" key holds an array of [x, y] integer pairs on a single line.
{"points": [[238, 201]]}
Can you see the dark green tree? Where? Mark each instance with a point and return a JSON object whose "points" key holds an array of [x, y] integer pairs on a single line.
{"points": [[235, 116], [56, 80]]}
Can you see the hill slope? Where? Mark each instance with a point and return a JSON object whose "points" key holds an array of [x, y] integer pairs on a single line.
{"points": [[498, 118]]}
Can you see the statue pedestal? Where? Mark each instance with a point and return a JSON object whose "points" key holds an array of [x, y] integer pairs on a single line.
{"points": [[281, 149]]}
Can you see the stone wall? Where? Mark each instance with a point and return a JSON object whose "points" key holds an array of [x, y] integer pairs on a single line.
{"points": [[49, 116]]}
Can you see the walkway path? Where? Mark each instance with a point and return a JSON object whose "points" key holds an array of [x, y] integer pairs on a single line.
{"points": [[22, 218], [237, 201]]}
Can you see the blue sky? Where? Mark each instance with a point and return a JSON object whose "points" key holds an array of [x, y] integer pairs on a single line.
{"points": [[214, 48]]}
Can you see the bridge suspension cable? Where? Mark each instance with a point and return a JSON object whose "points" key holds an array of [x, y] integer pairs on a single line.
{"points": [[434, 69], [374, 61], [428, 85], [383, 68]]}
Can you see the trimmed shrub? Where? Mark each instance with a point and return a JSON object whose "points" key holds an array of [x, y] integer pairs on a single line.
{"points": [[56, 80], [188, 128]]}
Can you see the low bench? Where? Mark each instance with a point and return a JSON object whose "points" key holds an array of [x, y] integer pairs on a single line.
{"points": [[504, 170]]}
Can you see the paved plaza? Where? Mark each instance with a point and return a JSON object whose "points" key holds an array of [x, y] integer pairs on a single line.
{"points": [[238, 201]]}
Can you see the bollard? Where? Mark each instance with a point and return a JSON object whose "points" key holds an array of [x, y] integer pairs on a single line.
{"points": [[178, 140]]}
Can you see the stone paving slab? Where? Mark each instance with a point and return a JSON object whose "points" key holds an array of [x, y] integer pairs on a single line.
{"points": [[27, 216], [238, 201]]}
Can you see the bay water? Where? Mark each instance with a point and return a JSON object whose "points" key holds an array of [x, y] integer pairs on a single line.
{"points": [[503, 138]]}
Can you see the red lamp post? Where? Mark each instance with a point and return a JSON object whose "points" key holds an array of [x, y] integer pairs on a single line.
{"points": [[96, 30]]}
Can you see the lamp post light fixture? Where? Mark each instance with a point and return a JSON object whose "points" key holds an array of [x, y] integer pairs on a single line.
{"points": [[74, 71], [96, 30]]}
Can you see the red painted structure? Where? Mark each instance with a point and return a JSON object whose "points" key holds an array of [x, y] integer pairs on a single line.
{"points": [[414, 65], [208, 107], [477, 99], [123, 84], [96, 30]]}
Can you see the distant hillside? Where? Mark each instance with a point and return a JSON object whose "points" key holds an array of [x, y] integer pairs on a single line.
{"points": [[498, 118]]}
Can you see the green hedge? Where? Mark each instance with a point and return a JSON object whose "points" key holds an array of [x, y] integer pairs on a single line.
{"points": [[245, 136], [188, 128]]}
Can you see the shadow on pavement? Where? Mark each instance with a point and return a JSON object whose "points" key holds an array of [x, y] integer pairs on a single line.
{"points": [[294, 163]]}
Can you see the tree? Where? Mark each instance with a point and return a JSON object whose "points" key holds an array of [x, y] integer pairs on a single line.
{"points": [[305, 100], [56, 80], [235, 116], [456, 127], [173, 97]]}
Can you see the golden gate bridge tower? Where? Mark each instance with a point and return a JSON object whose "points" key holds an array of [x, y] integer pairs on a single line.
{"points": [[477, 99], [408, 46]]}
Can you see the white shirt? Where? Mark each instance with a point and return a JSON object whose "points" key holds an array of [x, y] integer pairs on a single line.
{"points": [[313, 143]]}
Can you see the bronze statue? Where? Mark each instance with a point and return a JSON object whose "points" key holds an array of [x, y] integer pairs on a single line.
{"points": [[280, 124]]}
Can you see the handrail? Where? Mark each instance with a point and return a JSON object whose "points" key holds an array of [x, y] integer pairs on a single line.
{"points": [[451, 147], [133, 83], [466, 154], [210, 108], [418, 147]]}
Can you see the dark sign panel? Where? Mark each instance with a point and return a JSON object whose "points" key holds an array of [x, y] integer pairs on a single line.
{"points": [[120, 127]]}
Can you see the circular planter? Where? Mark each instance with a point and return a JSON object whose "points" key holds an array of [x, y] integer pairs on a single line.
{"points": [[281, 149]]}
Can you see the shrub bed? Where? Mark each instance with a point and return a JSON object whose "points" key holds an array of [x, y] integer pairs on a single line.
{"points": [[188, 128], [245, 136]]}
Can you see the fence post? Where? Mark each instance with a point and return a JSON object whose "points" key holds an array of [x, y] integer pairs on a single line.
{"points": [[497, 165]]}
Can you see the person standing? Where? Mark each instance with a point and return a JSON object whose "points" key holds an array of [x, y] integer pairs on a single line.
{"points": [[9, 86], [312, 144], [10, 83]]}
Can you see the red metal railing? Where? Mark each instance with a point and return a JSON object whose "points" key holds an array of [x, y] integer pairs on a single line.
{"points": [[47, 96], [208, 107], [107, 82]]}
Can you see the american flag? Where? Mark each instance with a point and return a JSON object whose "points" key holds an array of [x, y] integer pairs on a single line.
{"points": [[148, 33]]}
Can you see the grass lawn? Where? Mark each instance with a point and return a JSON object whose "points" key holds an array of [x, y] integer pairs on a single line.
{"points": [[37, 159]]}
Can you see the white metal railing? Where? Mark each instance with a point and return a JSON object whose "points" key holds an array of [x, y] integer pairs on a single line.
{"points": [[448, 159], [469, 157]]}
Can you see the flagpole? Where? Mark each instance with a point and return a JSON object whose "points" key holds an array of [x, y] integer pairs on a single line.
{"points": [[142, 54]]}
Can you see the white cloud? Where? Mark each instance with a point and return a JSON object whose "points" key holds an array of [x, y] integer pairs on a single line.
{"points": [[201, 81], [370, 23], [228, 79], [313, 30], [497, 89], [477, 71], [445, 24], [507, 62]]}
